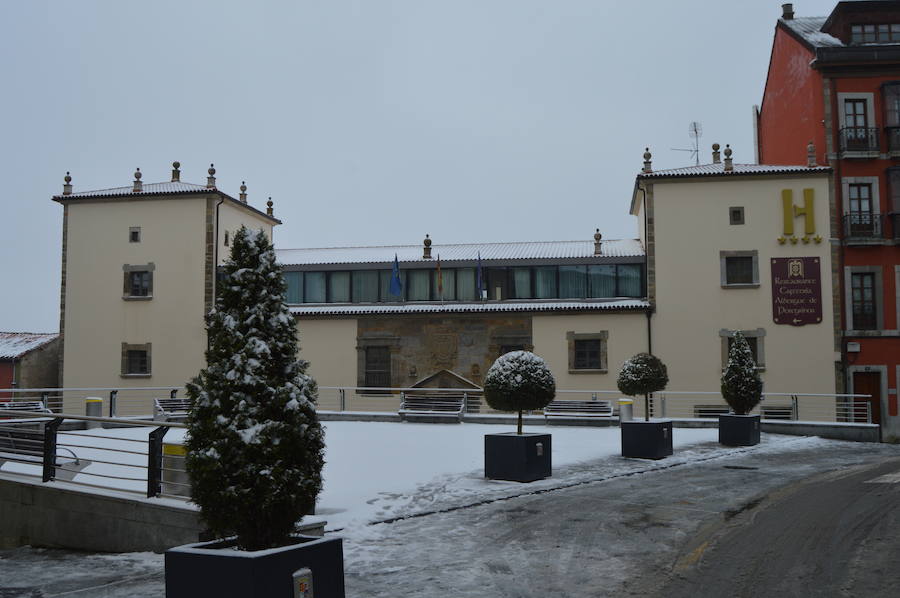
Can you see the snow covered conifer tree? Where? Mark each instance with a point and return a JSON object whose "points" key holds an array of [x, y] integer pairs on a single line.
{"points": [[741, 384], [642, 374], [254, 444], [519, 381]]}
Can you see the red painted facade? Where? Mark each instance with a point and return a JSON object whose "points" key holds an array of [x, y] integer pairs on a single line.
{"points": [[814, 63], [6, 376]]}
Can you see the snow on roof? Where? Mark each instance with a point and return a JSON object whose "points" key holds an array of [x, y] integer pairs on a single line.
{"points": [[503, 306], [148, 189], [16, 344], [809, 29], [739, 169], [460, 252]]}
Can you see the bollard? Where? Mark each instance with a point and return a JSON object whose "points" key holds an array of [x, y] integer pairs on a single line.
{"points": [[626, 410], [93, 406]]}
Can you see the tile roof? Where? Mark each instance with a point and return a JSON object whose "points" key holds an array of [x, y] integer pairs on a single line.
{"points": [[346, 309], [809, 30], [739, 169], [16, 344], [460, 252], [149, 189]]}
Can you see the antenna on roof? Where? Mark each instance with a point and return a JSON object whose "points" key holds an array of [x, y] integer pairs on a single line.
{"points": [[695, 130]]}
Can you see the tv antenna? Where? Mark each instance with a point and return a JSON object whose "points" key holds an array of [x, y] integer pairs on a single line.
{"points": [[695, 130]]}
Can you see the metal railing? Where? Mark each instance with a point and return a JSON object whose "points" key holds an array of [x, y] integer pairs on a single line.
{"points": [[117, 402], [853, 408], [863, 226], [100, 458], [859, 139]]}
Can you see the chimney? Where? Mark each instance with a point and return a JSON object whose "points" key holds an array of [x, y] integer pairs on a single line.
{"points": [[244, 191], [269, 210], [211, 179], [138, 185], [426, 252], [728, 166], [787, 11], [176, 174], [67, 187], [716, 157], [597, 237], [647, 164], [811, 155]]}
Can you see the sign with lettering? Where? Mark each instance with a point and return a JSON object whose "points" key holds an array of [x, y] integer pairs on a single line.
{"points": [[793, 211], [796, 290]]}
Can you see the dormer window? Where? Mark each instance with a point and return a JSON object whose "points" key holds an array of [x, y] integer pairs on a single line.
{"points": [[875, 34]]}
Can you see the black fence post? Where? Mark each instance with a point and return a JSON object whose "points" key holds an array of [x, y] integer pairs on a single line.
{"points": [[113, 395], [154, 461], [50, 430], [172, 393]]}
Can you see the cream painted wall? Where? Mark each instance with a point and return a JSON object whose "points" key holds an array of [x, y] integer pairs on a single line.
{"points": [[692, 227], [627, 336], [330, 348], [231, 217]]}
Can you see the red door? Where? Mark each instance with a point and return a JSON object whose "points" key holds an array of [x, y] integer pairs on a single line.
{"points": [[867, 383]]}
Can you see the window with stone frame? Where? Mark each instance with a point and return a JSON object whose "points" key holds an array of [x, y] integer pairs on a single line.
{"points": [[587, 352], [377, 366], [136, 360], [863, 293], [739, 269], [137, 281]]}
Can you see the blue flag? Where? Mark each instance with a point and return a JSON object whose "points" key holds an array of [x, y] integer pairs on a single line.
{"points": [[479, 279], [396, 285]]}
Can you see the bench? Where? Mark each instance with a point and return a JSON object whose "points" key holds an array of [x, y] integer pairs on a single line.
{"points": [[432, 406], [34, 406], [168, 409], [26, 445], [711, 411], [777, 412], [578, 409]]}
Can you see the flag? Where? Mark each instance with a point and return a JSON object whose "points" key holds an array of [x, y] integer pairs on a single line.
{"points": [[396, 285], [479, 281], [440, 279]]}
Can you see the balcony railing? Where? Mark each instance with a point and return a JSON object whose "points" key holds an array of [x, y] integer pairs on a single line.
{"points": [[859, 139], [863, 226]]}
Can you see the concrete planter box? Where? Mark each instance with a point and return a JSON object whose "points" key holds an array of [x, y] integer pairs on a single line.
{"points": [[647, 439], [739, 430], [517, 458], [216, 569]]}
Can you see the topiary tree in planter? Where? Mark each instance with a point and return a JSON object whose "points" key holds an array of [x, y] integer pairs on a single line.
{"points": [[741, 383], [254, 444], [642, 374], [519, 381]]}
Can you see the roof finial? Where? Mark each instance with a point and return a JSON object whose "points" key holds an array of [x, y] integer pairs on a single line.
{"points": [[138, 185], [176, 174], [787, 11], [269, 210], [728, 164], [647, 165], [211, 179], [426, 253], [811, 155], [67, 187], [597, 237], [716, 156], [244, 191]]}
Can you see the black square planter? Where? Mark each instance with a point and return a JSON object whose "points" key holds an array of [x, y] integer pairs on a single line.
{"points": [[216, 569], [517, 457], [739, 430], [646, 439]]}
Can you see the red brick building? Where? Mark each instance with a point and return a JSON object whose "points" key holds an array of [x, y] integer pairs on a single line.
{"points": [[835, 81]]}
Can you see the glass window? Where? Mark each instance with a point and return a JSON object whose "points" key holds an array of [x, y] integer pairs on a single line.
{"points": [[339, 287], [447, 280], [587, 354], [314, 287], [572, 282], [865, 315], [545, 282], [521, 283], [495, 279], [384, 292], [138, 283], [294, 281], [630, 280], [739, 270], [602, 281], [137, 362], [365, 286], [418, 285], [465, 284], [378, 367]]}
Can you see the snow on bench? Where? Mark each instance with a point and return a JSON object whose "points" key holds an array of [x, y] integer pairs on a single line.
{"points": [[578, 409], [432, 405], [24, 406], [171, 408]]}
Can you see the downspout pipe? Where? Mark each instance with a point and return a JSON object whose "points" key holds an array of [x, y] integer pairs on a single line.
{"points": [[215, 266], [646, 269]]}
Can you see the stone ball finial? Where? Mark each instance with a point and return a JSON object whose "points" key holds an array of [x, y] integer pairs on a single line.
{"points": [[269, 203], [427, 241], [243, 186], [67, 178], [137, 174], [212, 170], [176, 165], [597, 235], [727, 150], [716, 147], [647, 154]]}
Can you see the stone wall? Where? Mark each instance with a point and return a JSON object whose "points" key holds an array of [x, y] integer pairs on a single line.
{"points": [[40, 368]]}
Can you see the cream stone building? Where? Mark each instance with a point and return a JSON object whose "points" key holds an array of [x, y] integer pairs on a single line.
{"points": [[138, 275]]}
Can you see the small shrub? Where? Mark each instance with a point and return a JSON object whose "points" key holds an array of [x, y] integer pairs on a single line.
{"points": [[642, 374], [519, 381], [741, 384]]}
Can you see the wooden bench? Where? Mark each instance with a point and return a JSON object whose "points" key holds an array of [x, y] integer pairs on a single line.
{"points": [[168, 409], [578, 409], [432, 406]]}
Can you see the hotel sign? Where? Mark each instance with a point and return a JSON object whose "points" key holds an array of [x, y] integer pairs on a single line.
{"points": [[796, 290]]}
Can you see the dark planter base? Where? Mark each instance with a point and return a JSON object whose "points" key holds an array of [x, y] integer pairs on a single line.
{"points": [[647, 439], [517, 458], [214, 569], [739, 430]]}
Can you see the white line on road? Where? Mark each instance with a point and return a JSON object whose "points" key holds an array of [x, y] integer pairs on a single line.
{"points": [[888, 478]]}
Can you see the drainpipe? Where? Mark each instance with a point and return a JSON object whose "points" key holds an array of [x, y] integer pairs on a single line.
{"points": [[647, 270], [215, 268]]}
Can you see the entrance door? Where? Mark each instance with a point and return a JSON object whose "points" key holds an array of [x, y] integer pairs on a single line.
{"points": [[867, 383]]}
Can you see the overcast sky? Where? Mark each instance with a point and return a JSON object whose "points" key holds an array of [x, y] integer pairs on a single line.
{"points": [[368, 122]]}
